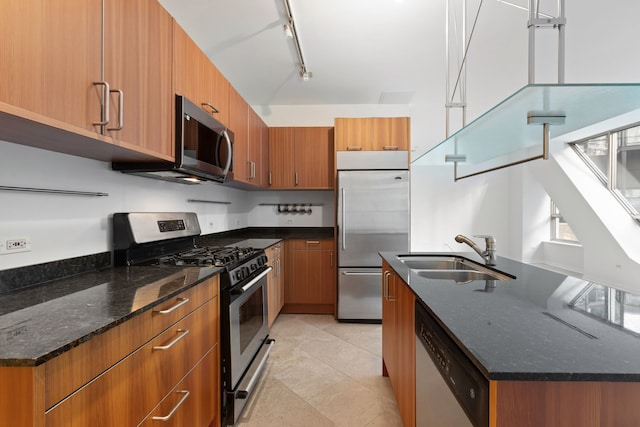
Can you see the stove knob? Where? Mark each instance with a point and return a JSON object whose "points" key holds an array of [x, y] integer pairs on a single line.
{"points": [[239, 275], [254, 267], [262, 260]]}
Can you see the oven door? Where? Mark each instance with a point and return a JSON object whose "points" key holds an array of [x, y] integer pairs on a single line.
{"points": [[248, 323]]}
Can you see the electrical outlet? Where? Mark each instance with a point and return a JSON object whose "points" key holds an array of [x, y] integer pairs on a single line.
{"points": [[12, 246], [289, 221], [210, 224]]}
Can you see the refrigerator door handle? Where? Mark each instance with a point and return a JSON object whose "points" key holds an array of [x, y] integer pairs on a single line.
{"points": [[361, 273], [344, 217]]}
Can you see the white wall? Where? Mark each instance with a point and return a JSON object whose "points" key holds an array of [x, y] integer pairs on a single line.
{"points": [[62, 226]]}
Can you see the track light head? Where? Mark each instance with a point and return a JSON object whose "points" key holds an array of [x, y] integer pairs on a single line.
{"points": [[306, 75], [287, 31]]}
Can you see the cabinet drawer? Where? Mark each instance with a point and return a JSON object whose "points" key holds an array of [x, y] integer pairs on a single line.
{"points": [[312, 244], [128, 391], [74, 368], [193, 402]]}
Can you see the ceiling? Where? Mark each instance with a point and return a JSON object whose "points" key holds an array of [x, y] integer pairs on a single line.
{"points": [[371, 53], [359, 51]]}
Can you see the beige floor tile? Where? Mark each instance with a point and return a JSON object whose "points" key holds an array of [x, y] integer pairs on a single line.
{"points": [[323, 373]]}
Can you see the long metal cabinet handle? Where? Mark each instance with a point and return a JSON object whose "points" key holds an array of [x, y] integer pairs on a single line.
{"points": [[385, 285], [389, 296], [269, 177], [229, 149], [361, 273], [183, 333], [253, 170], [104, 103], [354, 148], [182, 301], [312, 242], [331, 260], [255, 280], [344, 218], [175, 408], [214, 110], [297, 181], [245, 391], [390, 147], [120, 109], [278, 268]]}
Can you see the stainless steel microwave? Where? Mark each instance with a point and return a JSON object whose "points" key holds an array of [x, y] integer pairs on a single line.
{"points": [[203, 151]]}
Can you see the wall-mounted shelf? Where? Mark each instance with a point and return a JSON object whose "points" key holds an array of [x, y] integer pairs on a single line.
{"points": [[502, 137]]}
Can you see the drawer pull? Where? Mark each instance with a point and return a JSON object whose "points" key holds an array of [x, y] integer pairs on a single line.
{"points": [[175, 408], [183, 333], [390, 147], [354, 148], [182, 301], [313, 242]]}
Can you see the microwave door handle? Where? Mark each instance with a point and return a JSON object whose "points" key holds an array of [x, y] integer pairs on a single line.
{"points": [[229, 153]]}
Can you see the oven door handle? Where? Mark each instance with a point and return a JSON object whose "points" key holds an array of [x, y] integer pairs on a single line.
{"points": [[253, 281], [248, 384]]}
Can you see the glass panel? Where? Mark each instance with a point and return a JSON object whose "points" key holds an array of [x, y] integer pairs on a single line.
{"points": [[628, 166], [611, 305], [251, 318], [502, 134], [597, 150]]}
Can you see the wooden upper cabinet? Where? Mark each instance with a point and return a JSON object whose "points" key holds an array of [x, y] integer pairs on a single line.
{"points": [[239, 125], [196, 78], [138, 58], [255, 149], [352, 134], [281, 158], [314, 157], [50, 55], [301, 158], [390, 133], [377, 134]]}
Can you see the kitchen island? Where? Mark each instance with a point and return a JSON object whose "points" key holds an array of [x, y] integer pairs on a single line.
{"points": [[551, 354]]}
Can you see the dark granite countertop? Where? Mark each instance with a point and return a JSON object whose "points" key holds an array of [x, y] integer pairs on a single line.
{"points": [[42, 321], [527, 328]]}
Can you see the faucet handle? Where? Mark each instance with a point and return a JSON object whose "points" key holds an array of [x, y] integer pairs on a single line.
{"points": [[490, 241]]}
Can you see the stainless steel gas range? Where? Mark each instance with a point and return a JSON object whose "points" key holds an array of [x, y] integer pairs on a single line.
{"points": [[167, 239]]}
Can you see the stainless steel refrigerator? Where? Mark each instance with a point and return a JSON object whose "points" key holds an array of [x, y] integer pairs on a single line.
{"points": [[372, 216]]}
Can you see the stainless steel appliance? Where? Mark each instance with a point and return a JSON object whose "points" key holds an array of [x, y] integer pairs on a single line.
{"points": [[373, 216], [203, 150], [168, 240], [450, 390]]}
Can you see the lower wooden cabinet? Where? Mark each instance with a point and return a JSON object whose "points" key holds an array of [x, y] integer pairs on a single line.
{"points": [[310, 283], [399, 342], [129, 373], [275, 282]]}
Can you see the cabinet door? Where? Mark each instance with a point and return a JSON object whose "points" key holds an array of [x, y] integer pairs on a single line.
{"points": [[194, 401], [137, 55], [398, 342], [353, 134], [50, 55], [281, 157], [264, 153], [255, 148], [312, 281], [219, 93], [390, 133], [239, 125], [389, 358], [313, 157], [405, 386]]}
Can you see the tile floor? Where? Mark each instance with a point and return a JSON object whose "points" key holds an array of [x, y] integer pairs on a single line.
{"points": [[323, 373]]}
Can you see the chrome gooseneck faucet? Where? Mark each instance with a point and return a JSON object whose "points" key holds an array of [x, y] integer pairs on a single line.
{"points": [[489, 254]]}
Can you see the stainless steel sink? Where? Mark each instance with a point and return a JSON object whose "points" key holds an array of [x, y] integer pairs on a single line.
{"points": [[427, 262], [458, 269]]}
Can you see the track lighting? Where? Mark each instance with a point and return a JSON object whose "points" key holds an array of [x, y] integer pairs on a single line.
{"points": [[291, 33]]}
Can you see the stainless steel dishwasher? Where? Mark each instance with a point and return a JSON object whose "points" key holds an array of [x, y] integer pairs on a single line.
{"points": [[450, 390]]}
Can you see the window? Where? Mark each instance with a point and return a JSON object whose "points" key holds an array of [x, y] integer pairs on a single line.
{"points": [[560, 230], [615, 158]]}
